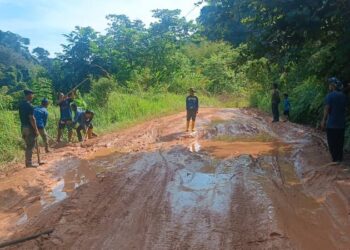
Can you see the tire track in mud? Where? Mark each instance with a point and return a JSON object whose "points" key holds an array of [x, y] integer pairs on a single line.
{"points": [[162, 193]]}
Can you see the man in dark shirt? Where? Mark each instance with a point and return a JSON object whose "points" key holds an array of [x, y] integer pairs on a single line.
{"points": [[334, 119], [65, 116], [28, 127], [275, 101], [192, 106]]}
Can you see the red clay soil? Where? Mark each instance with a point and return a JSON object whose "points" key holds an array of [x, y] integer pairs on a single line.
{"points": [[153, 186]]}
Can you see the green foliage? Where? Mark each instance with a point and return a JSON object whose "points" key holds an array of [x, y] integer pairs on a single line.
{"points": [[10, 139], [100, 91], [5, 100]]}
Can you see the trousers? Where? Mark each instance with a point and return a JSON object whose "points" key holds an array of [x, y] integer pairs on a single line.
{"points": [[335, 139]]}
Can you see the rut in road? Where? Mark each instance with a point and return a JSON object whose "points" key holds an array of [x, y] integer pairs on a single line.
{"points": [[238, 183]]}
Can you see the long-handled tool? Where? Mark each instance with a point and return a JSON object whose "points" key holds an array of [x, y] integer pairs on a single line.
{"points": [[86, 133], [78, 85]]}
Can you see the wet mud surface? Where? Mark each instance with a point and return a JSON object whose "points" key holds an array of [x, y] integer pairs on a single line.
{"points": [[239, 182]]}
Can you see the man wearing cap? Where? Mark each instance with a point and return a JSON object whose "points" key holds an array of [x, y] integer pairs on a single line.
{"points": [[334, 119], [28, 127], [41, 114], [192, 106], [66, 115]]}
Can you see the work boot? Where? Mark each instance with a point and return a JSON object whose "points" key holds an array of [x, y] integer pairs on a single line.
{"points": [[32, 165], [193, 125], [187, 126]]}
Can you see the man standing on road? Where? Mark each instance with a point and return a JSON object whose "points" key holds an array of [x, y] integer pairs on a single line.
{"points": [[192, 106], [334, 119], [275, 101], [28, 127], [41, 114], [66, 116]]}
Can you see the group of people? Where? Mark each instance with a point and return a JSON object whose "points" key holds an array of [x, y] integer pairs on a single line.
{"points": [[334, 115], [34, 121], [275, 102]]}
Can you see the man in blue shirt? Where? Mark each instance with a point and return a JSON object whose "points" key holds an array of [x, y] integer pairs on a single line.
{"points": [[334, 119], [41, 114], [192, 106], [65, 115], [84, 121]]}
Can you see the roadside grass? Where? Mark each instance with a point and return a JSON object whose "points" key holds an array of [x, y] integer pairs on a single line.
{"points": [[121, 111]]}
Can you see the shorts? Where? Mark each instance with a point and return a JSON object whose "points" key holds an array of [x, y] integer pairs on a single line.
{"points": [[191, 115], [63, 123], [286, 113]]}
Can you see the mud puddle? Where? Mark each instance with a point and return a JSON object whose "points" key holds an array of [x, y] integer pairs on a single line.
{"points": [[69, 175]]}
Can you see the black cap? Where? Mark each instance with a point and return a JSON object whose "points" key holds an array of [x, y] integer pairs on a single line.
{"points": [[28, 92]]}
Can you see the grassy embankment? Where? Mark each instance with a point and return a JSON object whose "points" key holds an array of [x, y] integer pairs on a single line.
{"points": [[122, 110]]}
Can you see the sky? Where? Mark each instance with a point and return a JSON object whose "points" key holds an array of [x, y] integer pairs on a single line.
{"points": [[44, 21]]}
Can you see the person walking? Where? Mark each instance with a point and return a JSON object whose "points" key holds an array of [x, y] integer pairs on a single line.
{"points": [[334, 119], [286, 107], [41, 115], [65, 115], [275, 101], [29, 128], [192, 106]]}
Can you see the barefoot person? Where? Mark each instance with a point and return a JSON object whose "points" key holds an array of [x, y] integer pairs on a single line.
{"points": [[65, 116], [192, 106], [334, 119], [41, 114], [275, 101], [28, 127]]}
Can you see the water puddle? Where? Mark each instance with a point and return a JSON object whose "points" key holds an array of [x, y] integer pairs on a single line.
{"points": [[195, 147], [227, 149]]}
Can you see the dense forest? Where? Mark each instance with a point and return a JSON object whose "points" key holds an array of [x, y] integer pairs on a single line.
{"points": [[236, 48]]}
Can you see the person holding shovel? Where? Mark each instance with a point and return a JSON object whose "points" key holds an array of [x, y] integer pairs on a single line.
{"points": [[192, 106], [65, 115], [29, 128], [84, 121], [41, 114]]}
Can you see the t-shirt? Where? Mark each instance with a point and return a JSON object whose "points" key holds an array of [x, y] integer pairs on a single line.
{"points": [[41, 114], [26, 109], [337, 102], [65, 109], [78, 117], [192, 103], [286, 104]]}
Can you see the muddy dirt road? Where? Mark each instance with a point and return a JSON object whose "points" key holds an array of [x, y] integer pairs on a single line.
{"points": [[239, 182]]}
